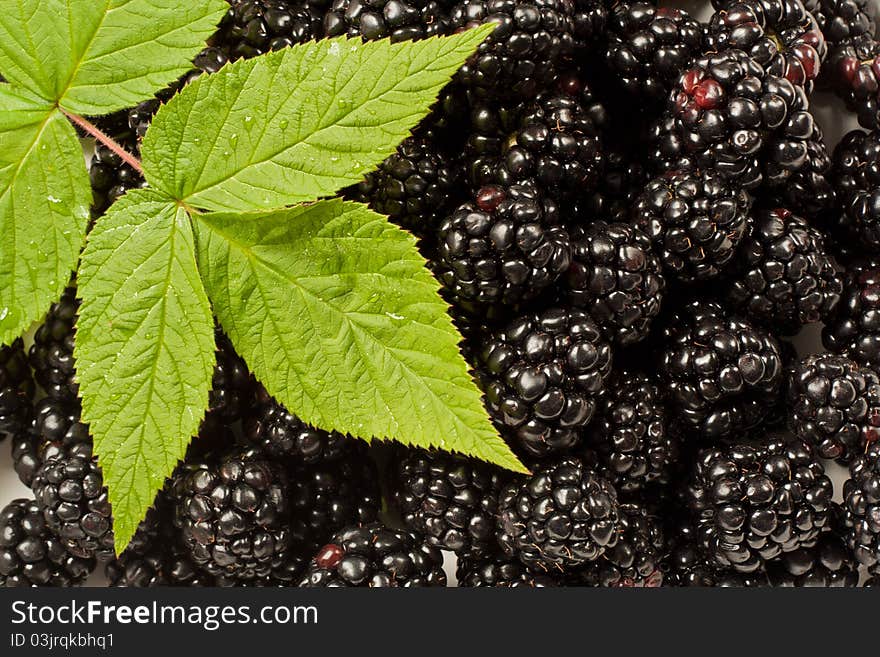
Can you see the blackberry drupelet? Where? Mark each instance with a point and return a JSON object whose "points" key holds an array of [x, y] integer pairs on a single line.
{"points": [[414, 187], [498, 571], [632, 436], [51, 354], [724, 375], [561, 517], [542, 376], [696, 222], [634, 561], [783, 276], [861, 502], [649, 47], [233, 510], [328, 496], [449, 499], [375, 556], [279, 433], [69, 489], [16, 390], [524, 54], [856, 177], [254, 27], [740, 122], [855, 66], [505, 247], [829, 564], [615, 276], [31, 555], [779, 34], [834, 405], [853, 329], [754, 503], [398, 20]]}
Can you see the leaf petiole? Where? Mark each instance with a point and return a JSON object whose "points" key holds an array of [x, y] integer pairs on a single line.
{"points": [[108, 141]]}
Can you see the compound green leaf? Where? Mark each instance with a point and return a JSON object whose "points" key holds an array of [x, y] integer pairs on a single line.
{"points": [[297, 124], [144, 349], [44, 208], [334, 310]]}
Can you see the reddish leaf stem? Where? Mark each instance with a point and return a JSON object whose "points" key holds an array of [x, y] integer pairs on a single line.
{"points": [[108, 141]]}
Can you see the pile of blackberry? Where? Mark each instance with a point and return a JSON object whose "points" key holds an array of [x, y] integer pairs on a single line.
{"points": [[634, 218]]}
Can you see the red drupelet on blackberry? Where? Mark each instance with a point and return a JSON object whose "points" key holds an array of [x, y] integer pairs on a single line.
{"points": [[853, 329], [542, 376]]}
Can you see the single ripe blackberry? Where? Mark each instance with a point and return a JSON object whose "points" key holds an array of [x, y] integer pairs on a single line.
{"points": [[69, 489], [842, 20], [561, 517], [739, 121], [414, 187], [780, 35], [635, 560], [615, 276], [724, 374], [856, 177], [31, 555], [51, 354], [328, 496], [279, 433], [523, 55], [449, 499], [542, 376], [649, 47], [834, 405], [233, 511], [829, 564], [853, 329], [783, 277], [505, 247], [696, 222], [498, 571], [16, 389], [809, 191], [632, 436], [861, 502], [754, 503], [398, 20], [254, 27], [375, 556], [855, 66]]}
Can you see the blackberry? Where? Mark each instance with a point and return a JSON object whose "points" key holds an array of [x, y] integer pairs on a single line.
{"points": [[621, 181], [842, 20], [233, 511], [856, 177], [754, 503], [780, 35], [636, 446], [686, 564], [542, 376], [69, 489], [16, 389], [51, 354], [861, 501], [560, 518], [634, 561], [398, 20], [498, 571], [648, 47], [524, 53], [30, 554], [829, 565], [279, 433], [834, 405], [853, 329], [616, 277], [451, 500], [590, 23], [233, 387], [809, 191], [414, 187], [739, 121], [724, 375], [784, 278], [504, 248], [330, 495], [375, 556], [696, 222], [254, 27], [855, 66], [667, 149]]}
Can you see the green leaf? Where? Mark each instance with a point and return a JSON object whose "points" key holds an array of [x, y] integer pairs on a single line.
{"points": [[297, 124], [334, 310], [144, 349], [98, 56], [44, 208]]}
